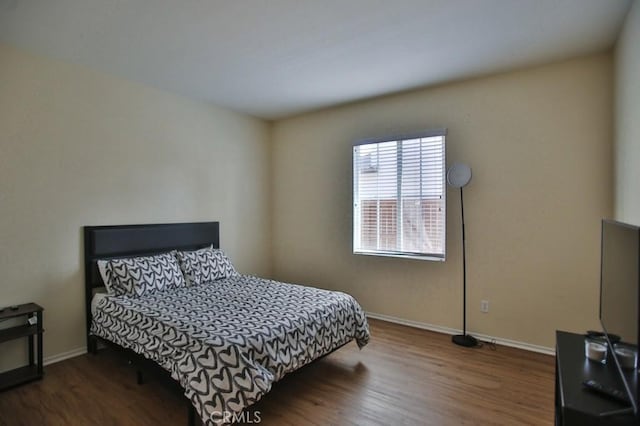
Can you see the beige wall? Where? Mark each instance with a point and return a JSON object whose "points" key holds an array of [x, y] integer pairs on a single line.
{"points": [[627, 123], [81, 148], [539, 143]]}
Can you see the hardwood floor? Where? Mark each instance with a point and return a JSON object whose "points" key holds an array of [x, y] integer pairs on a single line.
{"points": [[405, 376]]}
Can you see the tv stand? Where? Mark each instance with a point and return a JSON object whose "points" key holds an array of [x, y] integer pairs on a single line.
{"points": [[575, 404]]}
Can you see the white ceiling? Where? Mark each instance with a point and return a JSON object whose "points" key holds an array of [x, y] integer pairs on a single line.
{"points": [[274, 58]]}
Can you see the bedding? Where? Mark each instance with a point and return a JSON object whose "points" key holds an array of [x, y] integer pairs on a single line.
{"points": [[205, 265], [137, 276], [226, 342]]}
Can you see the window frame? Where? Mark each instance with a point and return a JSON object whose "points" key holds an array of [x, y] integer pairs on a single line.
{"points": [[354, 179]]}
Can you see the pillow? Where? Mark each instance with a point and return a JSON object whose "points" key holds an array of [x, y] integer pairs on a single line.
{"points": [[205, 265], [137, 276]]}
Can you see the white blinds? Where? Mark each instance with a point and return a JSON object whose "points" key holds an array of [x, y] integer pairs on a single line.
{"points": [[399, 196]]}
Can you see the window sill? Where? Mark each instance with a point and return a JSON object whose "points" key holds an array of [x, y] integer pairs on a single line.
{"points": [[401, 255]]}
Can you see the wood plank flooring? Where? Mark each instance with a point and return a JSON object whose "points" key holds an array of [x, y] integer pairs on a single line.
{"points": [[405, 376]]}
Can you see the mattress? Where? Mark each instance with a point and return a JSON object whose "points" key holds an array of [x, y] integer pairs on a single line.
{"points": [[228, 341]]}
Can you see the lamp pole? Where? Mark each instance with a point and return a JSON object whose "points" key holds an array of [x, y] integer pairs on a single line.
{"points": [[464, 269], [458, 176]]}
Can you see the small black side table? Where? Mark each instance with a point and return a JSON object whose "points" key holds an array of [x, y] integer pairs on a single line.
{"points": [[575, 405], [33, 371]]}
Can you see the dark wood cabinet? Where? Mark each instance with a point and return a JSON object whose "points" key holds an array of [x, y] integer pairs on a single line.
{"points": [[576, 405], [31, 330]]}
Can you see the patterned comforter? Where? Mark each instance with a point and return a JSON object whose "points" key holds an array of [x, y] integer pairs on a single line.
{"points": [[228, 341]]}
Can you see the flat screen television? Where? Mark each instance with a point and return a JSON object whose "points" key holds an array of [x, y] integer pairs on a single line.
{"points": [[620, 295]]}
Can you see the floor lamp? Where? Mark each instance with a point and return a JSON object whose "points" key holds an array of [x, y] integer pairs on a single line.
{"points": [[458, 176]]}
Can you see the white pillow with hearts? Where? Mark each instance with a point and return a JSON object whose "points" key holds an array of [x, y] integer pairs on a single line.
{"points": [[137, 276]]}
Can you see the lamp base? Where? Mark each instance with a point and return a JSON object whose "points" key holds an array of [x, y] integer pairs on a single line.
{"points": [[465, 340]]}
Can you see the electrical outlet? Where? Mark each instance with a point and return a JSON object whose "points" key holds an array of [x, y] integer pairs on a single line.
{"points": [[484, 306]]}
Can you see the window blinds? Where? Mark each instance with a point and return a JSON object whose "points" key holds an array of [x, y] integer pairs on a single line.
{"points": [[399, 196]]}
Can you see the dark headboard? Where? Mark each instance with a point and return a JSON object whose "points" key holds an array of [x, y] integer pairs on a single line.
{"points": [[104, 242]]}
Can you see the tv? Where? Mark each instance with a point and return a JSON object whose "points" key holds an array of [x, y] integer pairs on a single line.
{"points": [[620, 297]]}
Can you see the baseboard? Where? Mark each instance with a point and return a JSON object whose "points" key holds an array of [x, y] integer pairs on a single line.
{"points": [[417, 324], [64, 355], [446, 330], [57, 357]]}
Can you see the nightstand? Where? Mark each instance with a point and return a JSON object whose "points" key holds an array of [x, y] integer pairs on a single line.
{"points": [[30, 329]]}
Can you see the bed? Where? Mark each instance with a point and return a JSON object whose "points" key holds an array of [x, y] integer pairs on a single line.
{"points": [[224, 342]]}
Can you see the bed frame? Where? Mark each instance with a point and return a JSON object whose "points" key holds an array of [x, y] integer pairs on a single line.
{"points": [[107, 242]]}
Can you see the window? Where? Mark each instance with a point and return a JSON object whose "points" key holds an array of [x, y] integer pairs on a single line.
{"points": [[399, 196]]}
